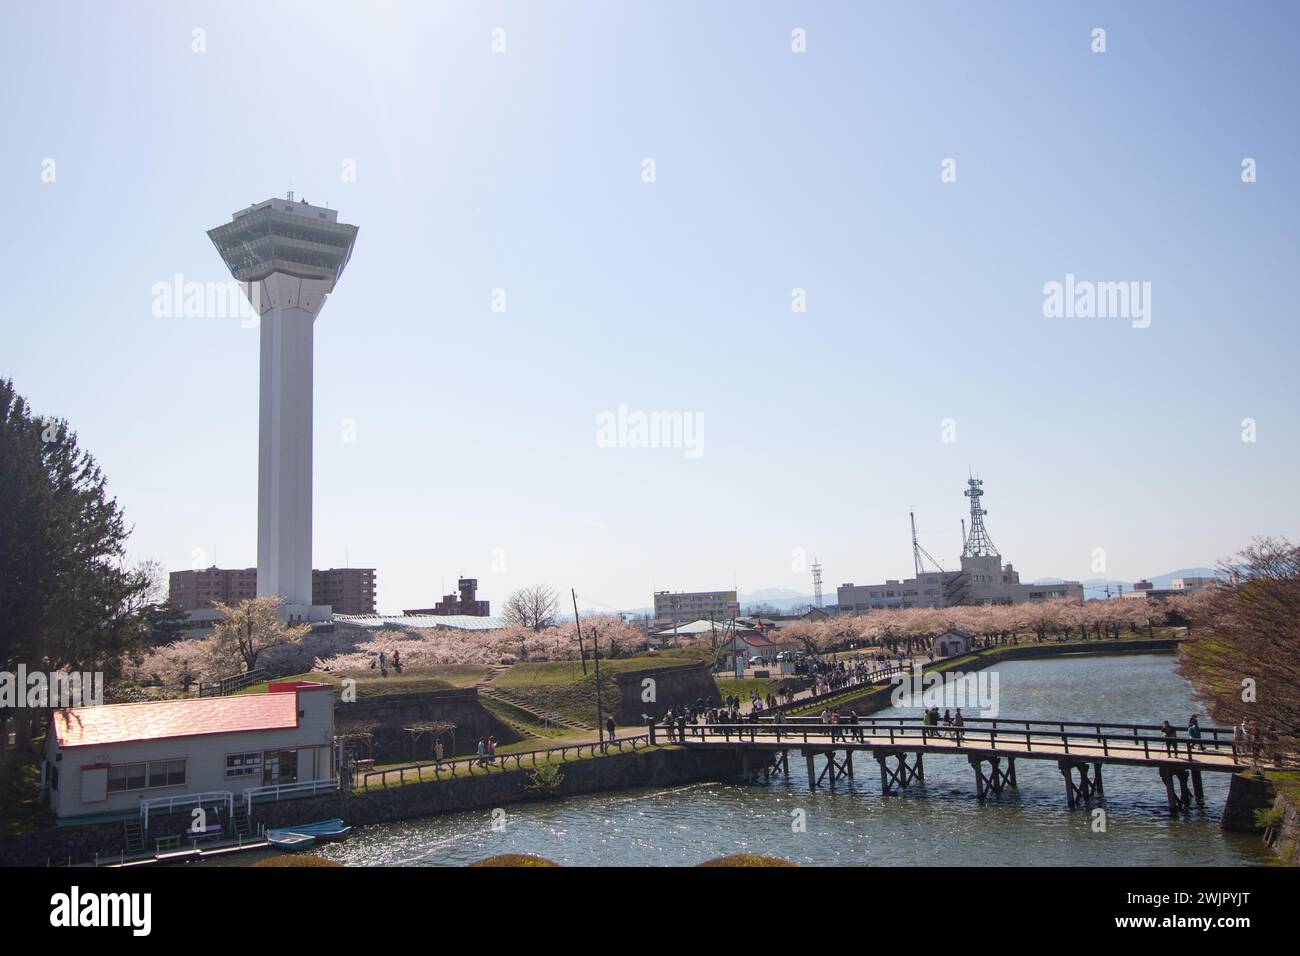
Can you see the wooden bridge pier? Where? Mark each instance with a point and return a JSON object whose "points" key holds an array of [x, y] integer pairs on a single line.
{"points": [[1089, 786], [765, 762], [1180, 802], [834, 769], [903, 774], [997, 778]]}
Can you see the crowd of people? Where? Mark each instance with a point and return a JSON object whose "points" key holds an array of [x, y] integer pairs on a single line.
{"points": [[831, 676]]}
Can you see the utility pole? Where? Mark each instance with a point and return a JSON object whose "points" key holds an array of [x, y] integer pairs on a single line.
{"points": [[578, 621], [600, 714]]}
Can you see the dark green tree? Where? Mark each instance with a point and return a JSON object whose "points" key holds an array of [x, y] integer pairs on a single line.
{"points": [[67, 598]]}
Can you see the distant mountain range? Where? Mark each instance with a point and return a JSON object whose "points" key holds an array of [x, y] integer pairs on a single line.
{"points": [[1096, 587]]}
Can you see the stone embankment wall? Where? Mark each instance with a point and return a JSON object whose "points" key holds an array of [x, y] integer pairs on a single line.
{"points": [[672, 688], [387, 717], [489, 790]]}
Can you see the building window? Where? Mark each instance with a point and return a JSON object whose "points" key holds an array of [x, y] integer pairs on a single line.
{"points": [[128, 777], [243, 765], [279, 766], [167, 773], [146, 776]]}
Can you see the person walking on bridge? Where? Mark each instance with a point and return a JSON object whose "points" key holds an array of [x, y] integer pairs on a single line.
{"points": [[857, 727], [1171, 739], [1194, 732]]}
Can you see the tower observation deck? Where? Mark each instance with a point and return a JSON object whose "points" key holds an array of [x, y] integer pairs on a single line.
{"points": [[288, 257]]}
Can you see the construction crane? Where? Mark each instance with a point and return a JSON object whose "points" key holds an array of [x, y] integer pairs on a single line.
{"points": [[919, 552]]}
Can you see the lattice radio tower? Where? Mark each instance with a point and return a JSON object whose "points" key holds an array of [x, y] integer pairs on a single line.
{"points": [[817, 582], [978, 543]]}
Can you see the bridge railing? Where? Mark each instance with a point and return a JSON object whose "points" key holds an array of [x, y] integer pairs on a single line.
{"points": [[1018, 736], [520, 760], [1215, 734]]}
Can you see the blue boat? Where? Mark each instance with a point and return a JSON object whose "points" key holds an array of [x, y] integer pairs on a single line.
{"points": [[321, 830], [287, 840]]}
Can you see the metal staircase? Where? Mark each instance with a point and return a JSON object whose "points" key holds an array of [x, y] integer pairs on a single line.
{"points": [[240, 823], [133, 836]]}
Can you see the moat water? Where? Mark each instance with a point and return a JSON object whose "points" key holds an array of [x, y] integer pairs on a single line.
{"points": [[938, 822]]}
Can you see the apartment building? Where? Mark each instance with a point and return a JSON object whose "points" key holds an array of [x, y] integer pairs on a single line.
{"points": [[346, 590], [686, 606]]}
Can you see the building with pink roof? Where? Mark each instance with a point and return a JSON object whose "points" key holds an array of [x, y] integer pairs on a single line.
{"points": [[173, 754]]}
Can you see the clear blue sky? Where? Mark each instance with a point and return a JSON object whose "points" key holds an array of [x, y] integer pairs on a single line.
{"points": [[475, 430]]}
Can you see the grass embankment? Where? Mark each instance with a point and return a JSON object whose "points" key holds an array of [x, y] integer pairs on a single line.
{"points": [[412, 680], [1287, 784], [509, 714], [561, 687], [742, 687]]}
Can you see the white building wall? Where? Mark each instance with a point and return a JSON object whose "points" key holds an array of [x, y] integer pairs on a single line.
{"points": [[205, 758]]}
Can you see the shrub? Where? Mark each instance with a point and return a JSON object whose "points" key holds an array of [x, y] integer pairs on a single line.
{"points": [[747, 859], [515, 859]]}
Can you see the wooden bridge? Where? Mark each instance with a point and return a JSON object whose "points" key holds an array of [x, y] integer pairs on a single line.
{"points": [[991, 746]]}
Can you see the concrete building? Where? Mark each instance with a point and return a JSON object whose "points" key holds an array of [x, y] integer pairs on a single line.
{"points": [[1145, 590], [983, 578], [464, 603], [686, 606], [193, 590], [132, 757], [345, 590], [288, 257]]}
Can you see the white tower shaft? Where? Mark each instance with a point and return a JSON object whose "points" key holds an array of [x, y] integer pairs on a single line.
{"points": [[284, 456]]}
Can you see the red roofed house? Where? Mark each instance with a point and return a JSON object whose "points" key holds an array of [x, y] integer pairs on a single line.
{"points": [[117, 757]]}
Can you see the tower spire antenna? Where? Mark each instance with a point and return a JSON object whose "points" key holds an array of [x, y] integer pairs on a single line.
{"points": [[817, 582], [978, 543]]}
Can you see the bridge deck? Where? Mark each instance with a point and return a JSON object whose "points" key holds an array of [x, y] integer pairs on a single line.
{"points": [[1129, 746]]}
